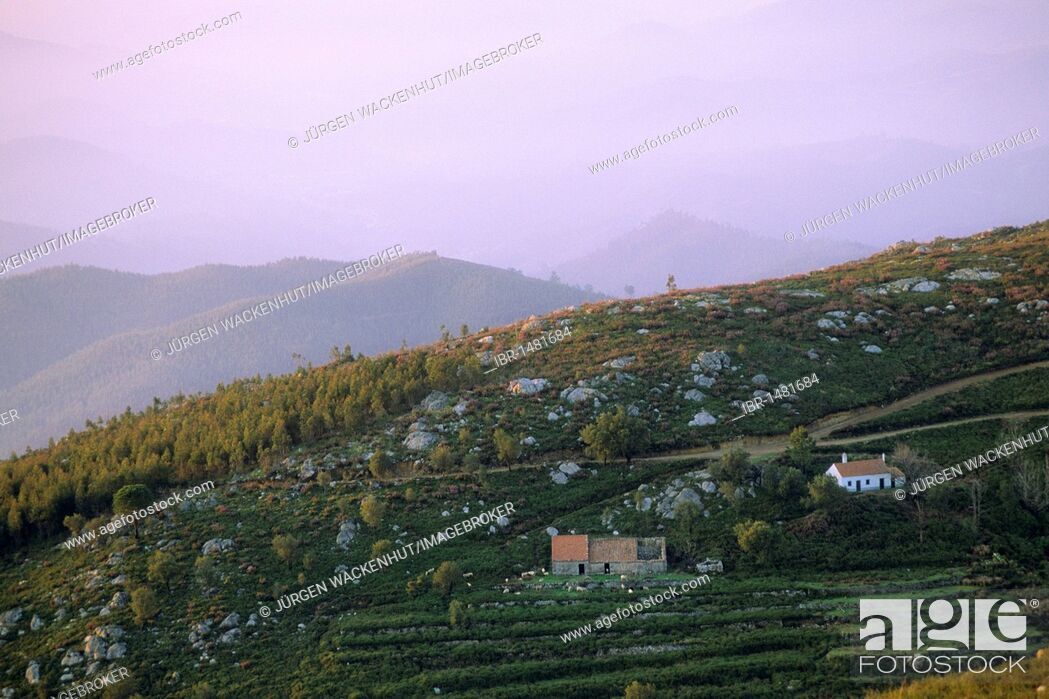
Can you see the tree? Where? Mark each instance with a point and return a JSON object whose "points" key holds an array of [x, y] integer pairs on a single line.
{"points": [[144, 605], [629, 289], [914, 466], [378, 464], [204, 571], [554, 278], [684, 530], [785, 483], [417, 585], [381, 547], [162, 569], [464, 330], [441, 457], [800, 446], [286, 547], [507, 447], [733, 471], [671, 283], [324, 478], [757, 538], [372, 510], [446, 577], [614, 434], [74, 523], [824, 492], [131, 498], [457, 614], [636, 690]]}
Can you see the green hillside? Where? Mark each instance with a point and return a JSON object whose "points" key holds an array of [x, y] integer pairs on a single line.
{"points": [[95, 345], [330, 466]]}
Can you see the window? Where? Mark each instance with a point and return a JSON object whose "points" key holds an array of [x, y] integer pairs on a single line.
{"points": [[849, 483], [868, 481]]}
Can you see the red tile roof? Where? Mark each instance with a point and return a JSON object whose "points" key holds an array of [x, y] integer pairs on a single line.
{"points": [[613, 550], [569, 548], [866, 467]]}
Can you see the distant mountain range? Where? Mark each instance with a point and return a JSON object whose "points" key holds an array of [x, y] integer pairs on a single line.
{"points": [[79, 339], [698, 253]]}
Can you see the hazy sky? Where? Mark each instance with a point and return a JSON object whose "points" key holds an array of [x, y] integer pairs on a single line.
{"points": [[835, 100]]}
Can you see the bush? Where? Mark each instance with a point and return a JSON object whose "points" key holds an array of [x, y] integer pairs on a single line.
{"points": [[144, 605]]}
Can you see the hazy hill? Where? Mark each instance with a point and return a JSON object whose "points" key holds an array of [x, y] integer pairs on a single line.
{"points": [[89, 355], [698, 253]]}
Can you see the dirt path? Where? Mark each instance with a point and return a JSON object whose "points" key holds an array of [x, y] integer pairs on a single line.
{"points": [[1019, 415], [821, 428]]}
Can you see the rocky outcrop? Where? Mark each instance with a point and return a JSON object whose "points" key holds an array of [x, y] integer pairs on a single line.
{"points": [[702, 419], [217, 546], [420, 440], [713, 362], [527, 387], [347, 533], [579, 394], [436, 400], [973, 275]]}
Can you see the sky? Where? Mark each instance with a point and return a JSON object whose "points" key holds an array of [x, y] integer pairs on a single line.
{"points": [[834, 102]]}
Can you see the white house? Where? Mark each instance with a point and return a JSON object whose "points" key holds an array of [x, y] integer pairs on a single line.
{"points": [[864, 475]]}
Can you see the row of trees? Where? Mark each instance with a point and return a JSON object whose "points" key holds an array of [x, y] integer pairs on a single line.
{"points": [[189, 439]]}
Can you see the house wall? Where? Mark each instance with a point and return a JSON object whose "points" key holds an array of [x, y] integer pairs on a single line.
{"points": [[849, 482], [569, 567]]}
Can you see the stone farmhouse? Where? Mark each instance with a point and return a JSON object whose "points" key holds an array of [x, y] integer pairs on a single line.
{"points": [[578, 554], [867, 474]]}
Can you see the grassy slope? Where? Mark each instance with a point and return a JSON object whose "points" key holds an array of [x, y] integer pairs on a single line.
{"points": [[751, 638]]}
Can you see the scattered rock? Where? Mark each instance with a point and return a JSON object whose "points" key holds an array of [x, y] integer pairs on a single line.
{"points": [[116, 651], [621, 362], [991, 301], [529, 441], [569, 468], [231, 621], [71, 658], [32, 672], [527, 387], [872, 349], [578, 394], [436, 400], [347, 533], [925, 287], [713, 362], [420, 440], [973, 275], [36, 623], [694, 394], [702, 419], [558, 478], [552, 531], [760, 380], [217, 546]]}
